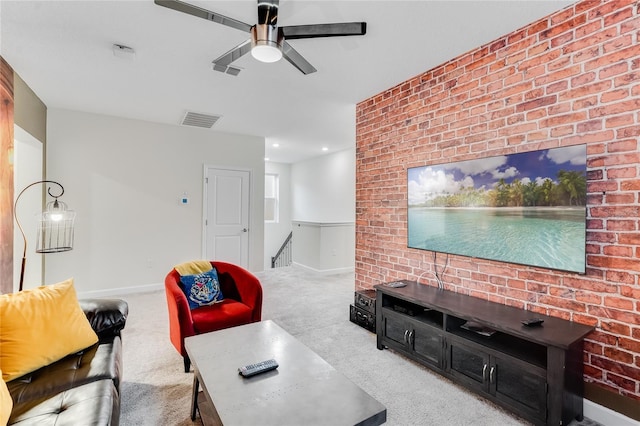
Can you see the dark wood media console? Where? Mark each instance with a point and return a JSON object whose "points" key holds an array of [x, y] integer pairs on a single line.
{"points": [[533, 371]]}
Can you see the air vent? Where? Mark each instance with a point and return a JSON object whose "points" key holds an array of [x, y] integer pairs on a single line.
{"points": [[197, 119]]}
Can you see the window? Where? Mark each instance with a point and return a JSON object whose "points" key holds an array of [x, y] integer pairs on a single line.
{"points": [[271, 198]]}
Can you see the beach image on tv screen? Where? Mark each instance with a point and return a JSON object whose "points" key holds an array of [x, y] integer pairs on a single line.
{"points": [[527, 208]]}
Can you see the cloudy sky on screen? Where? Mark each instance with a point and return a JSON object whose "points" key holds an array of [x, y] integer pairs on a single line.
{"points": [[484, 173]]}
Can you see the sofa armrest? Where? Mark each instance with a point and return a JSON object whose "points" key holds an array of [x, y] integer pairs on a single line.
{"points": [[106, 316]]}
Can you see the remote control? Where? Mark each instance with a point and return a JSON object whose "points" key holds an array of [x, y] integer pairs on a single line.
{"points": [[531, 322], [257, 368]]}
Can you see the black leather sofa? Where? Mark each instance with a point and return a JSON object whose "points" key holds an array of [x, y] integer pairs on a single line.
{"points": [[82, 388]]}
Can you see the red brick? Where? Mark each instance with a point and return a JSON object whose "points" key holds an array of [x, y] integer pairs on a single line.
{"points": [[628, 132], [618, 355], [627, 79], [511, 95], [562, 16], [602, 237], [604, 338], [630, 25], [630, 185], [621, 225], [614, 263], [625, 317], [618, 16], [595, 373], [588, 297], [629, 344], [605, 8], [617, 302], [624, 158], [565, 26], [612, 70], [586, 138], [622, 382], [570, 305], [585, 319], [595, 224], [586, 54], [615, 56], [588, 29], [585, 103], [614, 95], [580, 90], [619, 120], [621, 198], [627, 278]]}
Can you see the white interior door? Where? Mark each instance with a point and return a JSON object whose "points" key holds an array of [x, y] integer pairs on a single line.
{"points": [[227, 215]]}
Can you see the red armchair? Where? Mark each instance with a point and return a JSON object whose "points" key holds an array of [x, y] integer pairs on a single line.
{"points": [[242, 304]]}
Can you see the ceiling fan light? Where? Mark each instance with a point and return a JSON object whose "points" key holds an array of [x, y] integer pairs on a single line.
{"points": [[266, 51], [266, 42]]}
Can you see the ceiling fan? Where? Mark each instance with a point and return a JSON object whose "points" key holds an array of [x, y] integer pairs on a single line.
{"points": [[268, 42]]}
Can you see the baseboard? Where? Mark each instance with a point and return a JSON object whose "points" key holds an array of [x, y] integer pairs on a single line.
{"points": [[324, 271], [606, 416], [119, 291]]}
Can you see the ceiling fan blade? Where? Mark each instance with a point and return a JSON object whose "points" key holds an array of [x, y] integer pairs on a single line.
{"points": [[235, 53], [294, 32], [296, 59], [268, 12], [204, 14]]}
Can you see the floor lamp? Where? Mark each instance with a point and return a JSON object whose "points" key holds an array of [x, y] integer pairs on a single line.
{"points": [[55, 226]]}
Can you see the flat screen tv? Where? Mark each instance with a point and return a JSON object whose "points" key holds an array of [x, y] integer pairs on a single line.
{"points": [[527, 208]]}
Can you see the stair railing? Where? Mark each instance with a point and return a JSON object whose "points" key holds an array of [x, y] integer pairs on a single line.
{"points": [[283, 257]]}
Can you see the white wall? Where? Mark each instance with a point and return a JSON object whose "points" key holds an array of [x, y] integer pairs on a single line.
{"points": [[324, 188], [124, 178], [327, 248], [27, 164], [275, 233], [323, 212]]}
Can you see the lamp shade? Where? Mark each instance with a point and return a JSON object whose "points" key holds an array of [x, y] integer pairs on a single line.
{"points": [[55, 228]]}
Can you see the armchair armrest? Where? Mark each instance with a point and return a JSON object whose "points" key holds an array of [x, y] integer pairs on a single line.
{"points": [[106, 316], [180, 320]]}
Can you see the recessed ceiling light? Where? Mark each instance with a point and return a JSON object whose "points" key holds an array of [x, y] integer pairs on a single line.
{"points": [[275, 145], [266, 158], [324, 148]]}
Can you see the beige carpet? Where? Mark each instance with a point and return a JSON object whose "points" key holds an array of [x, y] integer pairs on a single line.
{"points": [[315, 309]]}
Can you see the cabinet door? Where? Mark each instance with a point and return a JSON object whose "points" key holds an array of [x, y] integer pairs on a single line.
{"points": [[427, 343], [468, 364], [395, 328], [521, 386]]}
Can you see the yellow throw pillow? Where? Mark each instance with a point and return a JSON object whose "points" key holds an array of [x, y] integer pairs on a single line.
{"points": [[6, 403], [194, 267], [41, 326]]}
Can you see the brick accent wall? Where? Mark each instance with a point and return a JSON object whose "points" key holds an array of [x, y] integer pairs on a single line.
{"points": [[570, 78]]}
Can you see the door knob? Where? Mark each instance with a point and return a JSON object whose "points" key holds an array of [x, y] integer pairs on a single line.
{"points": [[245, 230]]}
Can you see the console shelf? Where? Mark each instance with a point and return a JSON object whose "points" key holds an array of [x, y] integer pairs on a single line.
{"points": [[536, 372]]}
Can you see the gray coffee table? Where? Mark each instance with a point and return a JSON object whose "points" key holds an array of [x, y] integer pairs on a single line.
{"points": [[303, 390]]}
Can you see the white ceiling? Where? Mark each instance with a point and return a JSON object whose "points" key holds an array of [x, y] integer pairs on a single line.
{"points": [[63, 50]]}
